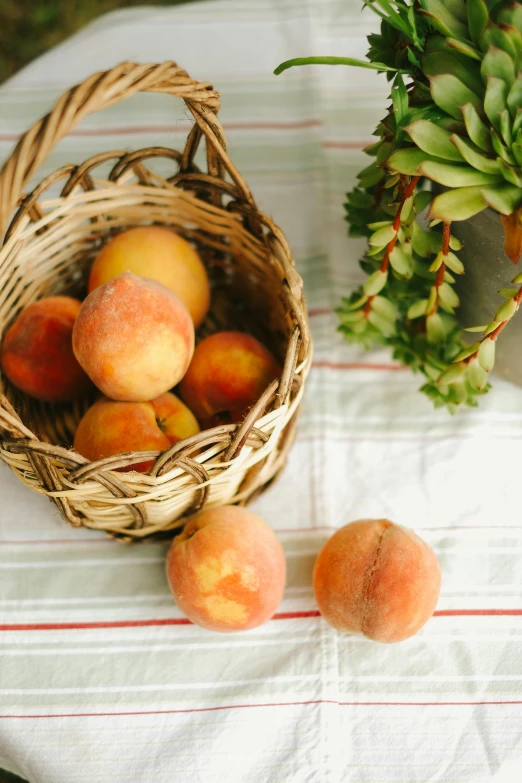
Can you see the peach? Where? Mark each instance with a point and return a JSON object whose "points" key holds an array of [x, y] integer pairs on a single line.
{"points": [[228, 373], [37, 353], [376, 578], [111, 427], [134, 338], [227, 569], [158, 253]]}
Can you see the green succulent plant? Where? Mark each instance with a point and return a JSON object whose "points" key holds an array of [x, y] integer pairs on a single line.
{"points": [[455, 120]]}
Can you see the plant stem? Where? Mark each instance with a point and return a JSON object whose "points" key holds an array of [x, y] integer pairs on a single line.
{"points": [[502, 325], [493, 336], [446, 235], [333, 61], [391, 244], [397, 222]]}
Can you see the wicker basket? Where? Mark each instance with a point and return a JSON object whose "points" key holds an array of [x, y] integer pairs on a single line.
{"points": [[50, 242]]}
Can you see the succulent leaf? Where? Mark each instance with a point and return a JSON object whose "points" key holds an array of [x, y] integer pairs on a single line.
{"points": [[458, 9], [506, 311], [401, 261], [370, 176], [511, 14], [436, 331], [455, 176], [441, 62], [511, 174], [382, 236], [478, 15], [386, 308], [399, 99], [434, 140], [517, 152], [464, 48], [477, 376], [443, 20], [422, 200], [514, 98], [375, 283], [458, 204], [495, 36], [407, 210], [454, 263], [499, 64], [450, 94], [467, 352], [382, 324], [517, 122], [452, 374], [407, 161], [505, 128], [417, 309], [474, 156], [477, 130], [421, 241], [448, 296], [500, 148], [495, 100], [503, 198], [516, 38]]}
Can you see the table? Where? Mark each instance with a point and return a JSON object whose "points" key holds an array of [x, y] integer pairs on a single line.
{"points": [[98, 680]]}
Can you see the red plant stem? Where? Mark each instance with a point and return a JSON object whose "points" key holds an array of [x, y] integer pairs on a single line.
{"points": [[446, 236], [440, 275], [396, 223], [495, 333], [391, 244]]}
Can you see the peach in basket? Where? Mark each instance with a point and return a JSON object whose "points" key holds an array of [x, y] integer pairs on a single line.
{"points": [[50, 241]]}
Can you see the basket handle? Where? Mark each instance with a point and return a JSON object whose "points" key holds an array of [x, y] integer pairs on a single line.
{"points": [[104, 89]]}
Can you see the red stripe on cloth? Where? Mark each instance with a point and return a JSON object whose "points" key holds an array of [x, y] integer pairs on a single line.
{"points": [[178, 126], [315, 311], [131, 623], [274, 704], [478, 612], [326, 365], [296, 615], [331, 144], [184, 621]]}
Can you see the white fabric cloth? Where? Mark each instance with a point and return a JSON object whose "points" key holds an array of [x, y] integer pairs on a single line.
{"points": [[100, 679]]}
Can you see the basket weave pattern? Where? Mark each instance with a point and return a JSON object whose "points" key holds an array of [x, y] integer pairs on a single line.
{"points": [[49, 245]]}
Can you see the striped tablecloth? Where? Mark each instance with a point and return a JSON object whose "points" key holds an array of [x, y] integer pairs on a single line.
{"points": [[100, 676]]}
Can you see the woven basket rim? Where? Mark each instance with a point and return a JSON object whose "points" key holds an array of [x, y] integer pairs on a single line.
{"points": [[267, 430]]}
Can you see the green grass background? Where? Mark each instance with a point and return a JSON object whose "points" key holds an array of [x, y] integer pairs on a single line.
{"points": [[30, 27]]}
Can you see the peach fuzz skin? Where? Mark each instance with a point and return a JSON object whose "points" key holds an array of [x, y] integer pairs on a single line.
{"points": [[227, 569], [37, 353], [228, 373], [161, 254], [134, 338], [376, 578], [110, 428]]}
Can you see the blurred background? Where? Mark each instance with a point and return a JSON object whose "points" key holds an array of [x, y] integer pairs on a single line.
{"points": [[30, 27]]}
